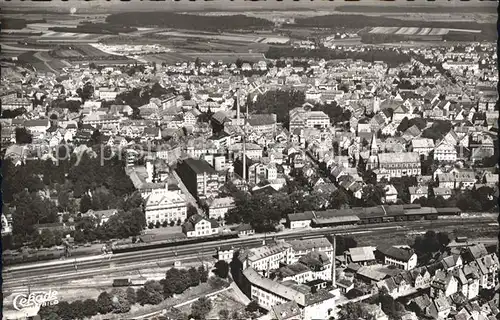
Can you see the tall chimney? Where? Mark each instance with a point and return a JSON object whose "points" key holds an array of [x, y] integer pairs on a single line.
{"points": [[244, 142], [244, 154], [334, 256], [238, 107]]}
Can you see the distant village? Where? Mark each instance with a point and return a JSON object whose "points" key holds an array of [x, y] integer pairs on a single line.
{"points": [[423, 134]]}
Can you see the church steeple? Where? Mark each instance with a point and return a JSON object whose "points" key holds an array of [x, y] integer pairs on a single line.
{"points": [[373, 146]]}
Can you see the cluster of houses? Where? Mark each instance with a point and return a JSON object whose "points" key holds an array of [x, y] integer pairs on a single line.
{"points": [[307, 276]]}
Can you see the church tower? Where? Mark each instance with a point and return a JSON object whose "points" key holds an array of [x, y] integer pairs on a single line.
{"points": [[373, 158], [376, 105]]}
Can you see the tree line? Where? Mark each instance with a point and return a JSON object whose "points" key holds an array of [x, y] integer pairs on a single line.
{"points": [[187, 21], [119, 301]]}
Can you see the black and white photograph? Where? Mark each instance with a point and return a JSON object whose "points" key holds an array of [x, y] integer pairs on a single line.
{"points": [[241, 160]]}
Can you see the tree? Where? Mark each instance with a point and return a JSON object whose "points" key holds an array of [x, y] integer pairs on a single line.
{"points": [[95, 138], [151, 225], [77, 309], [120, 301], [104, 303], [151, 293], [339, 199], [191, 210], [158, 224], [224, 314], [354, 311], [47, 238], [179, 222], [90, 307], [194, 276], [131, 295], [253, 306], [200, 308], [85, 203], [203, 274], [64, 311], [23, 136], [221, 268], [172, 223]]}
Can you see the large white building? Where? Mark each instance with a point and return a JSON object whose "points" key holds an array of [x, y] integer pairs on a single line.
{"points": [[165, 205], [269, 257]]}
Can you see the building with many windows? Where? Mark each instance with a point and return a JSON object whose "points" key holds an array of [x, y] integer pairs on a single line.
{"points": [[300, 118], [269, 257], [396, 165], [199, 177], [165, 206], [445, 151]]}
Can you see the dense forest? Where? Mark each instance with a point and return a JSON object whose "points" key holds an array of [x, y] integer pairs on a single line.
{"points": [[187, 21], [391, 57], [96, 28]]}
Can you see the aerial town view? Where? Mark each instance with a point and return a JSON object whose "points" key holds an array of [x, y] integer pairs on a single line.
{"points": [[272, 160]]}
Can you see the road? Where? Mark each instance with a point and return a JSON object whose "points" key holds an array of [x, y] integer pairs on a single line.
{"points": [[92, 266]]}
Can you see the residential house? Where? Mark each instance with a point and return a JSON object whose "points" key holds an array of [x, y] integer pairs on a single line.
{"points": [[422, 146], [444, 284], [418, 192], [443, 192], [363, 256], [102, 216], [218, 207], [440, 308], [402, 258], [444, 151], [198, 226], [391, 194]]}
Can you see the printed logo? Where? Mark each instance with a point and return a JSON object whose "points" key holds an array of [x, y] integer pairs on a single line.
{"points": [[34, 299]]}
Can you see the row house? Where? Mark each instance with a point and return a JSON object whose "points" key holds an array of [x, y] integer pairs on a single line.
{"points": [[407, 282], [396, 165], [423, 146], [444, 151], [463, 179]]}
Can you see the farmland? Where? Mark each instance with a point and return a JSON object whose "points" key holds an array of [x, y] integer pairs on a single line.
{"points": [[231, 37]]}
